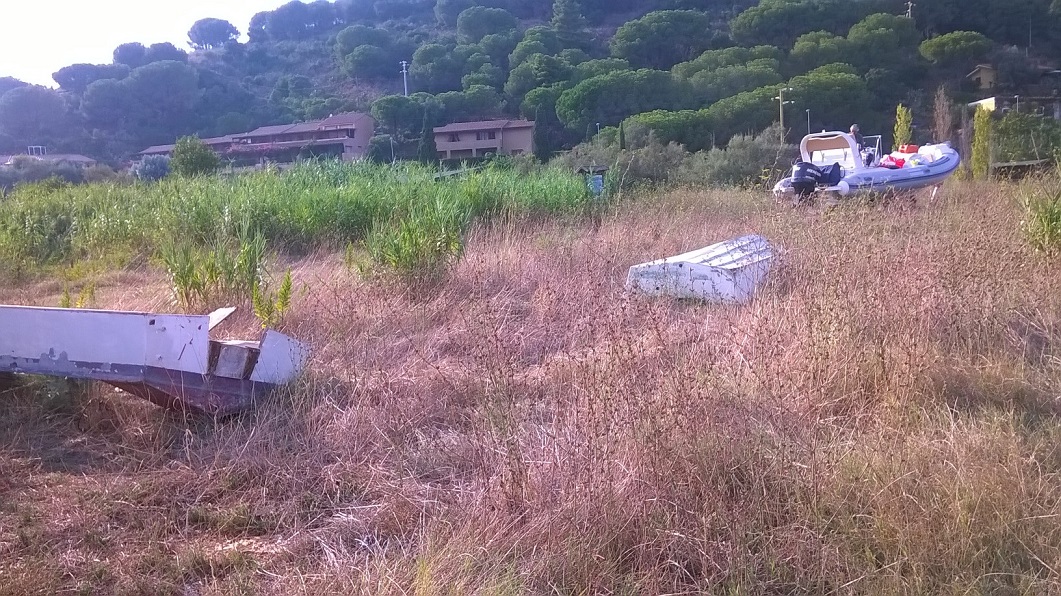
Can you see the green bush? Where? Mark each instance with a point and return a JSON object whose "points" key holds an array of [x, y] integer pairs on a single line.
{"points": [[981, 159], [748, 160], [152, 168], [191, 157], [1026, 137], [1042, 215], [904, 126]]}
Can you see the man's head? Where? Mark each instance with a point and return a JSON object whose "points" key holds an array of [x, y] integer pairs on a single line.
{"points": [[854, 128]]}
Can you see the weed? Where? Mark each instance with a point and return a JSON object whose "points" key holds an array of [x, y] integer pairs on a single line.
{"points": [[270, 308], [1042, 215]]}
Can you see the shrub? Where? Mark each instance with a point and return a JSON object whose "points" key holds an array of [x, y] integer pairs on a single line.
{"points": [[420, 248], [28, 170], [191, 157], [152, 168], [1022, 137], [228, 271], [746, 161], [99, 173], [981, 159], [904, 125], [1042, 216]]}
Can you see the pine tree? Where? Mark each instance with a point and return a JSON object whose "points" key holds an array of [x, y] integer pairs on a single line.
{"points": [[568, 20], [622, 137]]}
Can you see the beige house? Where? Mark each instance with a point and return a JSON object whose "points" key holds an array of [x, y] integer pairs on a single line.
{"points": [[477, 139], [985, 76]]}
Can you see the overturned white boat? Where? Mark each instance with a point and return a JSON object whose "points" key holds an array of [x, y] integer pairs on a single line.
{"points": [[729, 272], [168, 359], [833, 163]]}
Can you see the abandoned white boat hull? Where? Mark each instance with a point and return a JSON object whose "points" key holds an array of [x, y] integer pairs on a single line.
{"points": [[168, 359], [729, 272]]}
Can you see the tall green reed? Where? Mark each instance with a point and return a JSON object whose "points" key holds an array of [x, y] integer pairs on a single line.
{"points": [[312, 205]]}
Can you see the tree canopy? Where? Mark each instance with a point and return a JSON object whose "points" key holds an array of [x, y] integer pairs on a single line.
{"points": [[212, 33], [662, 39], [956, 47], [707, 67]]}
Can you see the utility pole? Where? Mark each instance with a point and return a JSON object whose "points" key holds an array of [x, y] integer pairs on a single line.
{"points": [[808, 121], [781, 106], [910, 9], [405, 76]]}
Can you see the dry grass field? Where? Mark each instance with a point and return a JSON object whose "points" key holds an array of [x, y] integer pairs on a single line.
{"points": [[885, 418]]}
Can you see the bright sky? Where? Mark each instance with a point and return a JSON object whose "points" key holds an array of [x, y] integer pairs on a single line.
{"points": [[38, 37]]}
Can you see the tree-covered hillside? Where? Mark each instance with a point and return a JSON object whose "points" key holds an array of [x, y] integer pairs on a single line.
{"points": [[695, 71]]}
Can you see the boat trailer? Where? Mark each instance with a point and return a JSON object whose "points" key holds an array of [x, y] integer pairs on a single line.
{"points": [[168, 359]]}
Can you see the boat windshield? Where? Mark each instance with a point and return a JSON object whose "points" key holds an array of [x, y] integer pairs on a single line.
{"points": [[830, 150], [825, 157]]}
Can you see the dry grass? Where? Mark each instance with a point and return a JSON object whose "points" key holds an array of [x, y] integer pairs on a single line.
{"points": [[883, 419]]}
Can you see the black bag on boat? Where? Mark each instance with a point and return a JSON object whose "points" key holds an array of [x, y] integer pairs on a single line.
{"points": [[832, 175]]}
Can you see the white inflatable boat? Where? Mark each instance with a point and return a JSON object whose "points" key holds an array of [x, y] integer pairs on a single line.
{"points": [[833, 163]]}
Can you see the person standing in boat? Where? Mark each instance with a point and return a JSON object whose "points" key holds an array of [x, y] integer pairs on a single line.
{"points": [[859, 141]]}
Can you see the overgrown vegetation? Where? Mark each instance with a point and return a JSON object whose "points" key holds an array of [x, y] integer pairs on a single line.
{"points": [[1041, 201], [212, 233], [747, 161], [881, 420]]}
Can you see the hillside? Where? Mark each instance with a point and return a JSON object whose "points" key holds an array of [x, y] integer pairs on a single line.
{"points": [[567, 64]]}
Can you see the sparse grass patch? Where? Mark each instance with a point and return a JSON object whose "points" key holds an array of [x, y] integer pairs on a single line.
{"points": [[235, 521]]}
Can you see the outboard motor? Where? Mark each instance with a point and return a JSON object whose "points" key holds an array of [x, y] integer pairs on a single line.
{"points": [[805, 178]]}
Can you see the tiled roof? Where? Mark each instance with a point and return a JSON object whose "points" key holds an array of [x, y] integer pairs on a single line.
{"points": [[484, 125], [274, 129], [344, 120], [347, 119], [158, 149]]}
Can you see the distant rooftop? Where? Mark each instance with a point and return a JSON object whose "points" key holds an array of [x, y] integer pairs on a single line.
{"points": [[167, 148], [344, 120], [484, 125]]}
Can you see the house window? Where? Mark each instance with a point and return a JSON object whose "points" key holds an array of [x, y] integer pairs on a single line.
{"points": [[483, 136], [454, 137]]}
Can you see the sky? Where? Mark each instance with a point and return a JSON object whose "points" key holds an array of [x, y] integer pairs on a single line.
{"points": [[38, 37]]}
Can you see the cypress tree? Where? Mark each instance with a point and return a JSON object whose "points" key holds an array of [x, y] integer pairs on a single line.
{"points": [[981, 160]]}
